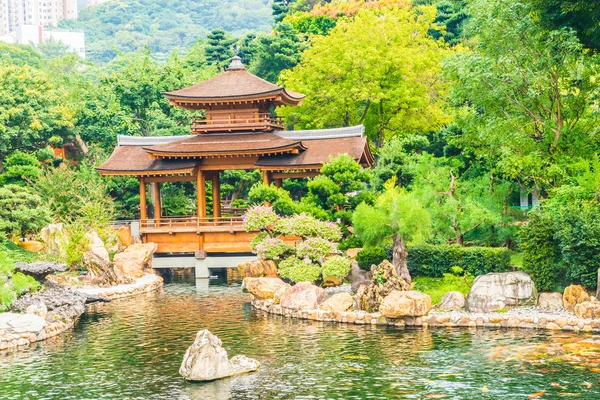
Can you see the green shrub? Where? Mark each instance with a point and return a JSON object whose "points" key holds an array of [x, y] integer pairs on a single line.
{"points": [[297, 270], [22, 284], [351, 242], [336, 267], [541, 255], [436, 260], [370, 256], [21, 211], [279, 199]]}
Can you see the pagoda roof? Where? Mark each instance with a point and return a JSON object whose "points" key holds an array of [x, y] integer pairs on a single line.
{"points": [[224, 144], [277, 151], [236, 83]]}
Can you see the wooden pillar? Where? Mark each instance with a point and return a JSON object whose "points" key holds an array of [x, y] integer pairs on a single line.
{"points": [[201, 194], [157, 205], [143, 206], [216, 192], [266, 178], [278, 182]]}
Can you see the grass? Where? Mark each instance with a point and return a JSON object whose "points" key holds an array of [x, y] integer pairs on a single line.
{"points": [[14, 284], [437, 287]]}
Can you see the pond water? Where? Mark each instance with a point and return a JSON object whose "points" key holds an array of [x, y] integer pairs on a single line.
{"points": [[132, 348]]}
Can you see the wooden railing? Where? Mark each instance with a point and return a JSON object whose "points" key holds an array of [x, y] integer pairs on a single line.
{"points": [[234, 121], [191, 222]]}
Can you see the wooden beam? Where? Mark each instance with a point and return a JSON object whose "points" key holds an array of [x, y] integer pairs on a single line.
{"points": [[278, 182], [171, 179], [265, 175], [143, 206], [156, 202], [201, 194], [216, 192], [304, 174]]}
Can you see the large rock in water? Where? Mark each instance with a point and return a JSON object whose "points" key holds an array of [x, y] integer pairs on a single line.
{"points": [[266, 288], [207, 360], [573, 295], [408, 303], [135, 258], [101, 271], [339, 302], [258, 268], [369, 297], [452, 301], [495, 291], [551, 300], [588, 309], [40, 269], [303, 296]]}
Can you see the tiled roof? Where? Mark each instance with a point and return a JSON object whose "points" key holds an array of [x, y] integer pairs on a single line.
{"points": [[134, 160]]}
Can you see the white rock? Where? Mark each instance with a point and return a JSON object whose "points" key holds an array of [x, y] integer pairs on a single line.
{"points": [[495, 291], [206, 360]]}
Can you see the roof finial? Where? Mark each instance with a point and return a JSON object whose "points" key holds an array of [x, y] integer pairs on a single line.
{"points": [[236, 64]]}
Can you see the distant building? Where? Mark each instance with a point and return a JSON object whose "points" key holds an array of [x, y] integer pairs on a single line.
{"points": [[34, 35], [46, 13]]}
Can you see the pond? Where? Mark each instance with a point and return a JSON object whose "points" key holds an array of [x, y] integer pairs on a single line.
{"points": [[132, 348]]}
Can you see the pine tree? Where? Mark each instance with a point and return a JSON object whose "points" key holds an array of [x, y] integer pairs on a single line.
{"points": [[280, 9], [219, 49]]}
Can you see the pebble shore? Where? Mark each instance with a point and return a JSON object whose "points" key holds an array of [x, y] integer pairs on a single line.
{"points": [[519, 318]]}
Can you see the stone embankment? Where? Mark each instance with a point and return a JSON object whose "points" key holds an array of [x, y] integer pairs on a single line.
{"points": [[525, 318]]}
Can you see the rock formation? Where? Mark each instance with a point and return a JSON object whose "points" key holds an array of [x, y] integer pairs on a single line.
{"points": [[39, 269], [135, 258], [573, 295], [495, 291], [338, 302], [266, 288], [358, 277], [101, 270], [385, 280], [303, 296], [61, 303], [408, 303], [587, 309], [551, 300], [452, 301], [55, 239], [258, 268], [207, 360]]}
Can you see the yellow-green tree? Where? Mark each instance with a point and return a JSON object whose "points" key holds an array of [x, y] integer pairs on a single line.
{"points": [[380, 68]]}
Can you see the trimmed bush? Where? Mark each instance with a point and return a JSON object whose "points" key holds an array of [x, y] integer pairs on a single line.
{"points": [[336, 267], [370, 256], [436, 260]]}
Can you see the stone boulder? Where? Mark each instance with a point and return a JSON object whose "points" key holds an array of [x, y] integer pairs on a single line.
{"points": [[135, 258], [358, 277], [369, 297], [496, 291], [573, 295], [62, 303], [55, 239], [452, 301], [353, 252], [409, 303], [21, 323], [587, 309], [207, 360], [258, 268], [266, 288], [339, 302], [303, 296], [40, 269], [124, 238], [551, 300]]}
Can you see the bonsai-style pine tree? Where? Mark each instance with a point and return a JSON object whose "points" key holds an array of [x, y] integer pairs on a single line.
{"points": [[219, 49], [398, 215]]}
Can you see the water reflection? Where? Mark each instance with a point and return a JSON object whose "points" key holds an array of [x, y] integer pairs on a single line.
{"points": [[132, 348]]}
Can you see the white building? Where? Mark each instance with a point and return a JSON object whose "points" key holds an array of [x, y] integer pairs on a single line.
{"points": [[46, 13], [34, 35]]}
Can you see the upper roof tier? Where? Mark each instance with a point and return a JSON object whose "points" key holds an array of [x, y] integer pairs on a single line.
{"points": [[236, 84]]}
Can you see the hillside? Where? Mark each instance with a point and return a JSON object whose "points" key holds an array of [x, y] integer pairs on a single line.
{"points": [[164, 25]]}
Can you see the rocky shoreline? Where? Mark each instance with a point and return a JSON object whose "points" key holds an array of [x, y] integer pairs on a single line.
{"points": [[526, 318], [51, 312]]}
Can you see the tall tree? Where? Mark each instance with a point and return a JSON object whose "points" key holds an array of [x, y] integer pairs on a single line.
{"points": [[380, 68], [32, 114], [219, 49], [280, 50], [527, 100]]}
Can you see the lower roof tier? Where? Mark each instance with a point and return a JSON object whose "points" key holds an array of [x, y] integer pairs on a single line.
{"points": [[276, 151]]}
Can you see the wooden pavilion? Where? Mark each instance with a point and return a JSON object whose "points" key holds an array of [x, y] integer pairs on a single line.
{"points": [[236, 129]]}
